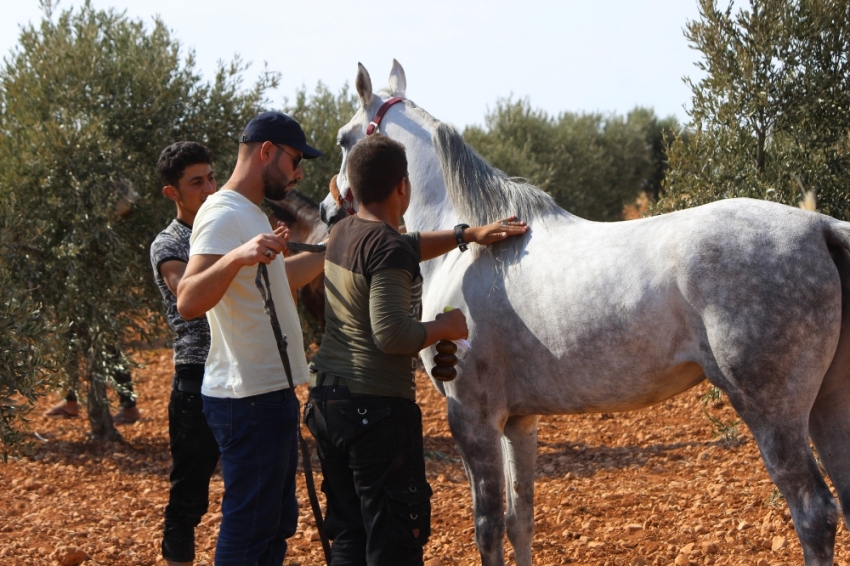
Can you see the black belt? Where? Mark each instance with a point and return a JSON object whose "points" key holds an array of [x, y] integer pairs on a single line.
{"points": [[330, 386], [322, 379], [186, 386]]}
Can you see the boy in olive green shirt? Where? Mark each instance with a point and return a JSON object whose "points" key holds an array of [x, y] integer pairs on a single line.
{"points": [[362, 410]]}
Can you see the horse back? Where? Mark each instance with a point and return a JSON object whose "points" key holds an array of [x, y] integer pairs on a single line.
{"points": [[617, 316]]}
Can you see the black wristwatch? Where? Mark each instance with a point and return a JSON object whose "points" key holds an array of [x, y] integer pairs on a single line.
{"points": [[461, 245]]}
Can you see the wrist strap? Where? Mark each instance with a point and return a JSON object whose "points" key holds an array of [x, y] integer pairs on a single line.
{"points": [[461, 245]]}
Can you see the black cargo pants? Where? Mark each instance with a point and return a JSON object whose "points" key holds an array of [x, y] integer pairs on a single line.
{"points": [[370, 448]]}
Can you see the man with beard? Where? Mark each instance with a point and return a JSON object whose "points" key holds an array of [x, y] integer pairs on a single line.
{"points": [[247, 402]]}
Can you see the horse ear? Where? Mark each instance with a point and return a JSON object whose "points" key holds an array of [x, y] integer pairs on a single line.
{"points": [[363, 85], [398, 82]]}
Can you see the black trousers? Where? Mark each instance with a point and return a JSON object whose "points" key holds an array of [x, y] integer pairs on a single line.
{"points": [[194, 452], [370, 448], [125, 397]]}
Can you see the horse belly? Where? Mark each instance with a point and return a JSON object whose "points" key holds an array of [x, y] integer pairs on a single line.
{"points": [[642, 391], [588, 344]]}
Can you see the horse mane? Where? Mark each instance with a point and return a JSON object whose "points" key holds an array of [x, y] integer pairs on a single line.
{"points": [[481, 193]]}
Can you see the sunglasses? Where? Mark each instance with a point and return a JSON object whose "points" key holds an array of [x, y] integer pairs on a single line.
{"points": [[296, 161]]}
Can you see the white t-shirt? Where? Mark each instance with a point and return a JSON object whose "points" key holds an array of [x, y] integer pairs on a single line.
{"points": [[243, 358]]}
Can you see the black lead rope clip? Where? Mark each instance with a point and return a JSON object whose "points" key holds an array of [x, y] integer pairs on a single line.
{"points": [[262, 282]]}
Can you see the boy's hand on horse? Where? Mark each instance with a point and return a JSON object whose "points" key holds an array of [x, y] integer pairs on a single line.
{"points": [[496, 231]]}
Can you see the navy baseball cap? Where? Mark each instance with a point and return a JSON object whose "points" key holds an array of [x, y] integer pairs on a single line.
{"points": [[279, 129]]}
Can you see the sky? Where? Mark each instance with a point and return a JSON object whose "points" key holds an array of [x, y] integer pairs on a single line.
{"points": [[460, 56]]}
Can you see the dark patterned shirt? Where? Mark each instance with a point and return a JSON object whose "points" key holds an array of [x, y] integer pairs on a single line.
{"points": [[192, 343]]}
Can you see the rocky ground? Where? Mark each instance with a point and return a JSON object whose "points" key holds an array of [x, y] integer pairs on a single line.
{"points": [[651, 487]]}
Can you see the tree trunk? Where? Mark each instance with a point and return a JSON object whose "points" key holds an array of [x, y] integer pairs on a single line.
{"points": [[97, 405], [762, 138]]}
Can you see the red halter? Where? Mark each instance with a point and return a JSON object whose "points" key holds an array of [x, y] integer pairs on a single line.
{"points": [[374, 125]]}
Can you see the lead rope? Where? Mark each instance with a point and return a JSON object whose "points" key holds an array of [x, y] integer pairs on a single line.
{"points": [[262, 282]]}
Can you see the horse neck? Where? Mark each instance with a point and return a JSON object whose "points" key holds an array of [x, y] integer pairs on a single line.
{"points": [[310, 225], [430, 206], [307, 226]]}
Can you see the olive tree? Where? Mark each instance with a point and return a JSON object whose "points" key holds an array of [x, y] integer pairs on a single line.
{"points": [[24, 338], [592, 164], [321, 115], [771, 116], [89, 98]]}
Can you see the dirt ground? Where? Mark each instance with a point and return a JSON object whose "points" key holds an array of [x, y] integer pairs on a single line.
{"points": [[650, 487]]}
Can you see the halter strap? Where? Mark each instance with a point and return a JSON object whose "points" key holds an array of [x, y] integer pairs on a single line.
{"points": [[348, 202], [374, 125]]}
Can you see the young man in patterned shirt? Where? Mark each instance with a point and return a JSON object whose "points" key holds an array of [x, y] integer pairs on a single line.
{"points": [[186, 172]]}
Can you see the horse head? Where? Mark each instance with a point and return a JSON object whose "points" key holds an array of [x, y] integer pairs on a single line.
{"points": [[450, 182], [389, 112]]}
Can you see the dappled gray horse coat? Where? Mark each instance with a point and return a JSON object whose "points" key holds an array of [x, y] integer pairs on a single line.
{"points": [[581, 316]]}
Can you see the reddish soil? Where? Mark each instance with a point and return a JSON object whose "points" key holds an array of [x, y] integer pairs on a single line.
{"points": [[642, 488]]}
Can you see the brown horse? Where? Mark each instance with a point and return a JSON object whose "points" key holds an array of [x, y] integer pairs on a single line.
{"points": [[301, 216]]}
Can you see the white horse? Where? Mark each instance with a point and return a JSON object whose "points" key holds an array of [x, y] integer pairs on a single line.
{"points": [[580, 316]]}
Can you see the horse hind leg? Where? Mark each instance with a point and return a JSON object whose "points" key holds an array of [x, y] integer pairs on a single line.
{"points": [[779, 424], [792, 467], [829, 421], [829, 426], [519, 450]]}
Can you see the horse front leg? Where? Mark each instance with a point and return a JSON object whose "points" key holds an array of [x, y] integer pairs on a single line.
{"points": [[478, 441], [519, 449]]}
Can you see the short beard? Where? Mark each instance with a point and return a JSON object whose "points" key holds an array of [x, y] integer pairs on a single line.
{"points": [[275, 183]]}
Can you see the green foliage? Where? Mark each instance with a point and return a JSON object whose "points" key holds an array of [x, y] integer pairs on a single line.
{"points": [[591, 164], [775, 500], [89, 98], [24, 337], [727, 431], [321, 115], [770, 120]]}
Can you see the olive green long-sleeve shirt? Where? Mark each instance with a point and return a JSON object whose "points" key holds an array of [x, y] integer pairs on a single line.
{"points": [[373, 298]]}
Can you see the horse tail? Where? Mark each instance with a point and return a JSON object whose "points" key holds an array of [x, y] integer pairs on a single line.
{"points": [[838, 241], [829, 420]]}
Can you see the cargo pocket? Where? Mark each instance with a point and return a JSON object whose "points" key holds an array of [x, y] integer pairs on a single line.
{"points": [[369, 434], [409, 511], [365, 416]]}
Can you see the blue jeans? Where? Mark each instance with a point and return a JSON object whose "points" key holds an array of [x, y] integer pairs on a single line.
{"points": [[257, 437]]}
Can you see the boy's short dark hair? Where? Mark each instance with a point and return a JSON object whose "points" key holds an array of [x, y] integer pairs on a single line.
{"points": [[375, 165], [175, 158]]}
